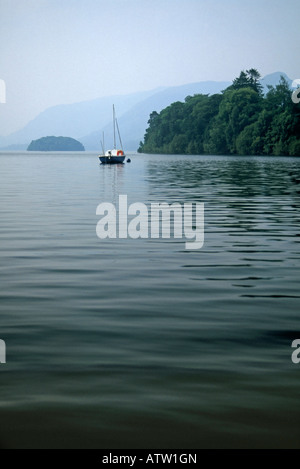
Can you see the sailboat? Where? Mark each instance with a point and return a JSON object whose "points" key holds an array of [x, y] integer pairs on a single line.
{"points": [[116, 155]]}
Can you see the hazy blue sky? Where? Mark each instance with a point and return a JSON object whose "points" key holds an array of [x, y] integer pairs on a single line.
{"points": [[63, 51]]}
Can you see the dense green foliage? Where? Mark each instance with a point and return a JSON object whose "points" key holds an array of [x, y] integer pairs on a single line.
{"points": [[239, 121], [55, 144]]}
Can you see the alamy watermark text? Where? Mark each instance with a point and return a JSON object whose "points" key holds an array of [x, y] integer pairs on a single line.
{"points": [[188, 221], [296, 353], [2, 91], [296, 93], [2, 351]]}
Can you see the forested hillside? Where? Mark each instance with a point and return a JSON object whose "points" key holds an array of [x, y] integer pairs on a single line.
{"points": [[239, 121]]}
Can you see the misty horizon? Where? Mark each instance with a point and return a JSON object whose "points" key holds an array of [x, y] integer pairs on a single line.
{"points": [[87, 120], [64, 52]]}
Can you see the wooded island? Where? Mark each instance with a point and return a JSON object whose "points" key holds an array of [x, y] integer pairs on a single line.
{"points": [[240, 121], [55, 144]]}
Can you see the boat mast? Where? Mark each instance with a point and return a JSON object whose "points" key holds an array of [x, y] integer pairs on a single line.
{"points": [[114, 119], [102, 144], [119, 134]]}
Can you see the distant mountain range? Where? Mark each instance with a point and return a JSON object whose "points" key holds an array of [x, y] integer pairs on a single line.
{"points": [[87, 120]]}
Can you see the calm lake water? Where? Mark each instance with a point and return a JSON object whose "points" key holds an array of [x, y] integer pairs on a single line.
{"points": [[142, 343]]}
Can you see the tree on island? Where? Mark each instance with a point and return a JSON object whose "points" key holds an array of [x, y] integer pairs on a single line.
{"points": [[55, 144], [248, 79]]}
